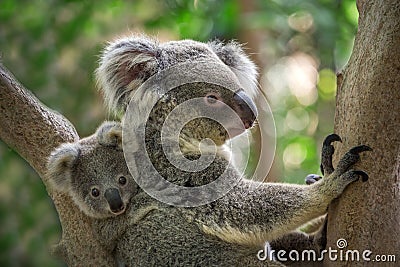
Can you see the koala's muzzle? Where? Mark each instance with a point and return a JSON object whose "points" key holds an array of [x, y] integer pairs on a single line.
{"points": [[114, 200], [245, 108]]}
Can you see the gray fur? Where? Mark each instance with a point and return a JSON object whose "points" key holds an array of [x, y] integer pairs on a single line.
{"points": [[76, 168], [229, 231], [127, 62], [110, 134]]}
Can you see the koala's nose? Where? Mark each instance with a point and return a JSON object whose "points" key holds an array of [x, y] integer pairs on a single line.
{"points": [[114, 200], [245, 108]]}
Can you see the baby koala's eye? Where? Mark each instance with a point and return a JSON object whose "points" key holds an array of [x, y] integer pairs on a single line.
{"points": [[122, 180], [95, 192]]}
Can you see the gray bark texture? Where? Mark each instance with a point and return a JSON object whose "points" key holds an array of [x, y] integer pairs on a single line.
{"points": [[368, 112]]}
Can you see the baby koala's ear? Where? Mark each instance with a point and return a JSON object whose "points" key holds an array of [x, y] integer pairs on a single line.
{"points": [[110, 134], [124, 65], [234, 57], [60, 166]]}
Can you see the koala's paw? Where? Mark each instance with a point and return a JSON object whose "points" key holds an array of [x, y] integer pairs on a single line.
{"points": [[344, 175], [337, 179]]}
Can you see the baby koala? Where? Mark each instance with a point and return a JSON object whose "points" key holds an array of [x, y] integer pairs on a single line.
{"points": [[88, 171]]}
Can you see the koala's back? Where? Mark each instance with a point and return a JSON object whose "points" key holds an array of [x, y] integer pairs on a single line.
{"points": [[166, 238]]}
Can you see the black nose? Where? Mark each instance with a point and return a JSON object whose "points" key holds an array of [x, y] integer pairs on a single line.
{"points": [[245, 108], [114, 200]]}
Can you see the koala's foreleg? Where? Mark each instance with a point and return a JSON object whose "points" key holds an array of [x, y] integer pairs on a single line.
{"points": [[273, 209]]}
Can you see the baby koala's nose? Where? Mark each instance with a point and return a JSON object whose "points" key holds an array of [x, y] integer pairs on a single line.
{"points": [[245, 108], [114, 200]]}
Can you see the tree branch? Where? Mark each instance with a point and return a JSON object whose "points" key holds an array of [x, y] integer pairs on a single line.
{"points": [[27, 125], [34, 130]]}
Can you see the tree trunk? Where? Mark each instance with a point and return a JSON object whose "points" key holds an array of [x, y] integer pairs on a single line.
{"points": [[34, 131], [367, 215]]}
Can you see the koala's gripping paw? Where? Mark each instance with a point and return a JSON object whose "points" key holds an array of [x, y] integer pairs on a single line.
{"points": [[344, 175], [337, 179]]}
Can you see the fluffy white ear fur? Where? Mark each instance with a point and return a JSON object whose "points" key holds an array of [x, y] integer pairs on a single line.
{"points": [[234, 57], [60, 165], [110, 134], [124, 65]]}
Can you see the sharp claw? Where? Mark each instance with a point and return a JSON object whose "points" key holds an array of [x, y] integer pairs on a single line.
{"points": [[364, 175], [332, 138], [359, 149]]}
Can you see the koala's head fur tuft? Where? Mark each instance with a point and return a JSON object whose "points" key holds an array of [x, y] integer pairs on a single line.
{"points": [[94, 173], [128, 62]]}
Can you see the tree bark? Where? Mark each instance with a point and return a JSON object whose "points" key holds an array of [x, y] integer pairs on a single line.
{"points": [[367, 215], [33, 130]]}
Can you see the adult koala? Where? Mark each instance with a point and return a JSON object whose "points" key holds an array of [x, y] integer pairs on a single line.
{"points": [[167, 227]]}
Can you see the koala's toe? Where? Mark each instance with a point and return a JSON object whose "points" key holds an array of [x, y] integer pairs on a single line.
{"points": [[327, 152], [331, 138], [359, 149], [353, 175], [351, 157], [364, 176]]}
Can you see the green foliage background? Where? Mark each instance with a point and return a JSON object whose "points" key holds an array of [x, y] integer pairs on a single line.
{"points": [[52, 47]]}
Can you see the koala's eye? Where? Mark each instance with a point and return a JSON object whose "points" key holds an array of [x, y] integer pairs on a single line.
{"points": [[95, 192], [122, 180], [212, 99]]}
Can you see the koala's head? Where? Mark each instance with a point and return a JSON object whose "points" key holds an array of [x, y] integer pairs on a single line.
{"points": [[129, 62], [94, 173]]}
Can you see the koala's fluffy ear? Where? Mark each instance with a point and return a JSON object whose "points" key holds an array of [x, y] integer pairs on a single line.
{"points": [[124, 65], [110, 134], [233, 56], [60, 166]]}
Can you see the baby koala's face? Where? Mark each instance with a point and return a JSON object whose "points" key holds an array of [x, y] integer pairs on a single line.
{"points": [[94, 173], [103, 186]]}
